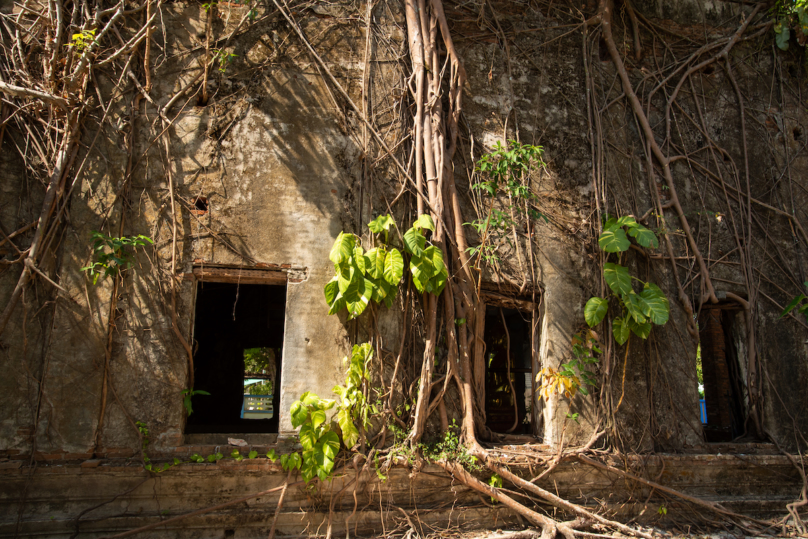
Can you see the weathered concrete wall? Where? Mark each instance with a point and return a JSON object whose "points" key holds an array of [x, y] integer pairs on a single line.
{"points": [[280, 163]]}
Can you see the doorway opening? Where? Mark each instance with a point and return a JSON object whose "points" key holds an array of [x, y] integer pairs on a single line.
{"points": [[238, 350], [721, 386], [508, 348]]}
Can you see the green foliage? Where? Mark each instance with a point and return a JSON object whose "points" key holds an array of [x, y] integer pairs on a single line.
{"points": [[353, 406], [222, 57], [110, 263], [495, 481], [790, 15], [572, 376], [187, 394], [638, 310], [451, 450], [362, 277], [797, 303], [320, 443], [506, 171], [82, 40]]}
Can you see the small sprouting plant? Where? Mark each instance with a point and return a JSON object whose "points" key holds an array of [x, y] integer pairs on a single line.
{"points": [[797, 303], [187, 395], [82, 40], [451, 450], [109, 263], [222, 57], [573, 376], [207, 6]]}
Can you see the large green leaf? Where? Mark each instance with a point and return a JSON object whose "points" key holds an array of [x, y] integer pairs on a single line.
{"points": [[343, 248], [317, 418], [439, 282], [620, 331], [374, 262], [338, 305], [614, 240], [299, 413], [644, 237], [331, 290], [307, 436], [355, 287], [636, 307], [626, 220], [595, 311], [381, 223], [414, 242], [658, 305], [345, 274], [641, 330], [350, 434], [359, 258], [435, 257], [393, 267], [424, 221], [617, 277]]}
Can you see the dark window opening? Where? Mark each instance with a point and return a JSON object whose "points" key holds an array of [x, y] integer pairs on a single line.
{"points": [[721, 381], [508, 402], [238, 340]]}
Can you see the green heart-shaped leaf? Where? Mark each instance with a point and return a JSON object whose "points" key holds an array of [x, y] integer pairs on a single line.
{"points": [[658, 304], [617, 277], [595, 311]]}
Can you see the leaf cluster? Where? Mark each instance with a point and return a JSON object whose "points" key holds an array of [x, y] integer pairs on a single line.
{"points": [[353, 406], [506, 171], [363, 276], [82, 40], [109, 263], [429, 273], [319, 441], [638, 310]]}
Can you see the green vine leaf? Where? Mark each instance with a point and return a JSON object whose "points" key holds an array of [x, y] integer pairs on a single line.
{"points": [[636, 307], [658, 304], [644, 236], [331, 290], [393, 267], [381, 223], [343, 248], [435, 257], [595, 311], [617, 277], [620, 330], [374, 262], [350, 434], [626, 220], [414, 242], [358, 259], [424, 221], [614, 240], [641, 330]]}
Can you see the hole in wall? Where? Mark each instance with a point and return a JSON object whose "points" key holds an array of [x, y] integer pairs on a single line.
{"points": [[709, 69], [238, 333], [797, 133], [201, 205]]}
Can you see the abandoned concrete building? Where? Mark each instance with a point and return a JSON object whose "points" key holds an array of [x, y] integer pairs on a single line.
{"points": [[586, 222]]}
